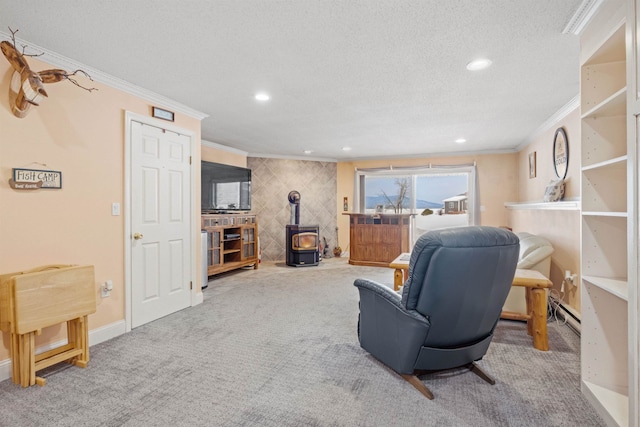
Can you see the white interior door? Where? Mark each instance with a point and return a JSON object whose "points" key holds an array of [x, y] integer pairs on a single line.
{"points": [[160, 223]]}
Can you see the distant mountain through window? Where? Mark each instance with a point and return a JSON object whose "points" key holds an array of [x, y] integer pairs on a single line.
{"points": [[373, 201]]}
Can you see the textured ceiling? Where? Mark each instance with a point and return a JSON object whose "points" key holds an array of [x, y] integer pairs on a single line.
{"points": [[384, 77]]}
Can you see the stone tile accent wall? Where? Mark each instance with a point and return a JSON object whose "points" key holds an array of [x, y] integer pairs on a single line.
{"points": [[271, 182]]}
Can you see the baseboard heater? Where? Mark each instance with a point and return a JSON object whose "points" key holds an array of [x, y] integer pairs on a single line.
{"points": [[557, 308]]}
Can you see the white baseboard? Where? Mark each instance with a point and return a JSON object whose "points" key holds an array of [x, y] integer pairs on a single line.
{"points": [[570, 318], [107, 332], [197, 299], [5, 369], [96, 336]]}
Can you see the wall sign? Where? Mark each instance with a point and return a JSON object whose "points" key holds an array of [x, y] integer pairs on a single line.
{"points": [[561, 153], [32, 179], [163, 114]]}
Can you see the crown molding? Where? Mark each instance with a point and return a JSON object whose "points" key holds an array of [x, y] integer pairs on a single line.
{"points": [[352, 159], [285, 157], [437, 154], [582, 16], [551, 121], [65, 63]]}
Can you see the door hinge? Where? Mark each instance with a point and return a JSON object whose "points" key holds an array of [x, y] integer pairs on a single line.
{"points": [[189, 159], [191, 285]]}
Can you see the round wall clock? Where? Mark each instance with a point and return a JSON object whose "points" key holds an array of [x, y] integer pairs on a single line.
{"points": [[560, 153]]}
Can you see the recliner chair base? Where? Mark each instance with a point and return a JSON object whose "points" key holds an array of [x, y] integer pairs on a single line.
{"points": [[422, 388]]}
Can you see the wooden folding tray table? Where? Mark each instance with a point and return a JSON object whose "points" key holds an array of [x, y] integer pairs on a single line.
{"points": [[43, 297]]}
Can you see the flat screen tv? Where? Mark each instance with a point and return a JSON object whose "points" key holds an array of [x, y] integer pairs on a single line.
{"points": [[225, 188]]}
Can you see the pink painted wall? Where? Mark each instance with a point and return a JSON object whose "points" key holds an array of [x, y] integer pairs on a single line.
{"points": [[560, 227], [82, 135], [532, 189]]}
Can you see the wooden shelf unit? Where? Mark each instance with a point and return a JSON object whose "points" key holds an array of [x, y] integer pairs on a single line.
{"points": [[232, 241], [608, 198]]}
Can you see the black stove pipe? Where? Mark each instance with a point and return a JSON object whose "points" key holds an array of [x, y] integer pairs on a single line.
{"points": [[294, 202]]}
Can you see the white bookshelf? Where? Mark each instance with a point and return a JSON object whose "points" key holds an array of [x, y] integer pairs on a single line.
{"points": [[617, 287], [614, 105], [605, 214], [611, 162], [633, 139], [607, 210], [617, 404]]}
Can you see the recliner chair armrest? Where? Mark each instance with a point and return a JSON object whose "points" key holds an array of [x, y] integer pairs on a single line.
{"points": [[391, 296], [387, 330], [379, 288]]}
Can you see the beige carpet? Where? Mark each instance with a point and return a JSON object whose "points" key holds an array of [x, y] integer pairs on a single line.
{"points": [[277, 346]]}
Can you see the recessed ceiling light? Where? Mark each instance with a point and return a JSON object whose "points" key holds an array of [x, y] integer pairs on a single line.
{"points": [[478, 64], [262, 96], [346, 148], [461, 140], [308, 151]]}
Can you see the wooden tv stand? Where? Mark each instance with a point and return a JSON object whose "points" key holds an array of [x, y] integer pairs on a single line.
{"points": [[232, 241]]}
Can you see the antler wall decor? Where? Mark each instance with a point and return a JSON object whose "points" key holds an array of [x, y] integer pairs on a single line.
{"points": [[26, 87]]}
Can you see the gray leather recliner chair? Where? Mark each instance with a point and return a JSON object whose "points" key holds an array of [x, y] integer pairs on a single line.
{"points": [[458, 281]]}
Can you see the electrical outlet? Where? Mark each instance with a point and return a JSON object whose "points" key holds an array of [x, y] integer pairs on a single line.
{"points": [[106, 289], [568, 277]]}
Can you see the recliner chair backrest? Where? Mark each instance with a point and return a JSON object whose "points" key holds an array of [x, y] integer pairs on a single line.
{"points": [[459, 279]]}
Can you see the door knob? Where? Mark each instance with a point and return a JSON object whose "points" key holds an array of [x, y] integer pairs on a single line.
{"points": [[137, 236]]}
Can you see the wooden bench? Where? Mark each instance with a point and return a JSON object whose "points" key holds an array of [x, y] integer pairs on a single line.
{"points": [[43, 297]]}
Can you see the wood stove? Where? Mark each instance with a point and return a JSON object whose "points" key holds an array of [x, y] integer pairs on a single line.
{"points": [[303, 245], [303, 241]]}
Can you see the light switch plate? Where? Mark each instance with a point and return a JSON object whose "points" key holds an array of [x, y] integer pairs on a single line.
{"points": [[115, 208]]}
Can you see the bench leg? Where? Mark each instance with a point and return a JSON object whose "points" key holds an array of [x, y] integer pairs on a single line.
{"points": [[529, 302], [398, 276], [539, 319]]}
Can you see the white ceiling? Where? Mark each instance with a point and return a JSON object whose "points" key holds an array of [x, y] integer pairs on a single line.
{"points": [[384, 77]]}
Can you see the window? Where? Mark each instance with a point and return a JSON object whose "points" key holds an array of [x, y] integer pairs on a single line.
{"points": [[388, 194], [439, 197], [441, 201]]}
